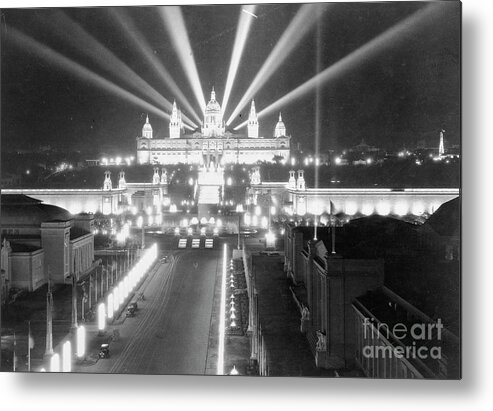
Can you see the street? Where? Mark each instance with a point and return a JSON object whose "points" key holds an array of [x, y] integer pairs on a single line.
{"points": [[170, 331]]}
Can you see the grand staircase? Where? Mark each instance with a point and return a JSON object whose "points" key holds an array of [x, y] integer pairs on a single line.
{"points": [[210, 184], [209, 194]]}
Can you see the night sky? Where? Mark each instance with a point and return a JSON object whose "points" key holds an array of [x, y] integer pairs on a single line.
{"points": [[406, 94]]}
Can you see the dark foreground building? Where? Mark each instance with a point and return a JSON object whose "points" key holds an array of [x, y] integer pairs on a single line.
{"points": [[385, 302]]}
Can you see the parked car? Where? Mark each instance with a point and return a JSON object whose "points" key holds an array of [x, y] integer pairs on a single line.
{"points": [[104, 351], [131, 310]]}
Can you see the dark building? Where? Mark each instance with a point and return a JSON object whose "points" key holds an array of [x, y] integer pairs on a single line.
{"points": [[41, 241], [383, 272]]}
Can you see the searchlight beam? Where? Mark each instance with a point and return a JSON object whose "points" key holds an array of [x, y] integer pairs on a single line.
{"points": [[51, 56], [135, 37], [244, 25], [101, 55], [302, 23], [177, 31], [392, 37]]}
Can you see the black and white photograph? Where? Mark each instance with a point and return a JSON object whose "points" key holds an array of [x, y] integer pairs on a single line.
{"points": [[261, 190]]}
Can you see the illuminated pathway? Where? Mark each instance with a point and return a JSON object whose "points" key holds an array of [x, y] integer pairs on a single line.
{"points": [[170, 332]]}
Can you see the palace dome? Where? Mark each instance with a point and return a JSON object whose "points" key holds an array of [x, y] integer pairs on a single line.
{"points": [[213, 105], [19, 209]]}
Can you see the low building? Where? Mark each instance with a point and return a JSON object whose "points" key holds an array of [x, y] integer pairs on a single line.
{"points": [[292, 197], [41, 242], [363, 154], [108, 199], [396, 340], [354, 284], [325, 285]]}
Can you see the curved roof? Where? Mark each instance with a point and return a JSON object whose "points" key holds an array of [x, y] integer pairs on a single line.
{"points": [[446, 220], [213, 105], [24, 210]]}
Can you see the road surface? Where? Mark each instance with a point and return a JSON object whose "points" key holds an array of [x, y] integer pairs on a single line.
{"points": [[170, 331]]}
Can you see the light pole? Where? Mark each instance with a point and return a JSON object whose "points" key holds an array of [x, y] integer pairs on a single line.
{"points": [[49, 320], [82, 302], [102, 280], [74, 302], [105, 269], [14, 358], [95, 286], [239, 229], [67, 357], [101, 318], [30, 345], [90, 291], [81, 343], [127, 252]]}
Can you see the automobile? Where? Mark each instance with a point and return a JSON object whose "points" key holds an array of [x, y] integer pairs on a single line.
{"points": [[132, 307], [104, 351], [165, 259]]}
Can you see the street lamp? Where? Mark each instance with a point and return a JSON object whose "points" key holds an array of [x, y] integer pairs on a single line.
{"points": [[110, 304], [101, 318], [270, 239], [116, 298], [81, 342], [240, 213], [67, 357], [55, 363]]}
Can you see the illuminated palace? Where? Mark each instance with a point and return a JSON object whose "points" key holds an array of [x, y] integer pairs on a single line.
{"points": [[212, 144]]}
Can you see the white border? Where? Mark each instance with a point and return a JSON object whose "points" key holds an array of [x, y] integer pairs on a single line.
{"points": [[84, 392]]}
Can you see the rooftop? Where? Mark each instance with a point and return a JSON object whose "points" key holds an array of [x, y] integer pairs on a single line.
{"points": [[363, 238], [19, 209], [383, 308], [415, 273], [446, 220], [18, 199], [23, 248], [76, 232]]}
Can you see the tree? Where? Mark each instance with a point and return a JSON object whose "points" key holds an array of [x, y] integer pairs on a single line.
{"points": [[277, 159]]}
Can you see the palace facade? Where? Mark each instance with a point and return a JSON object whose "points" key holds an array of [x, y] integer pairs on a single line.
{"points": [[213, 143]]}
